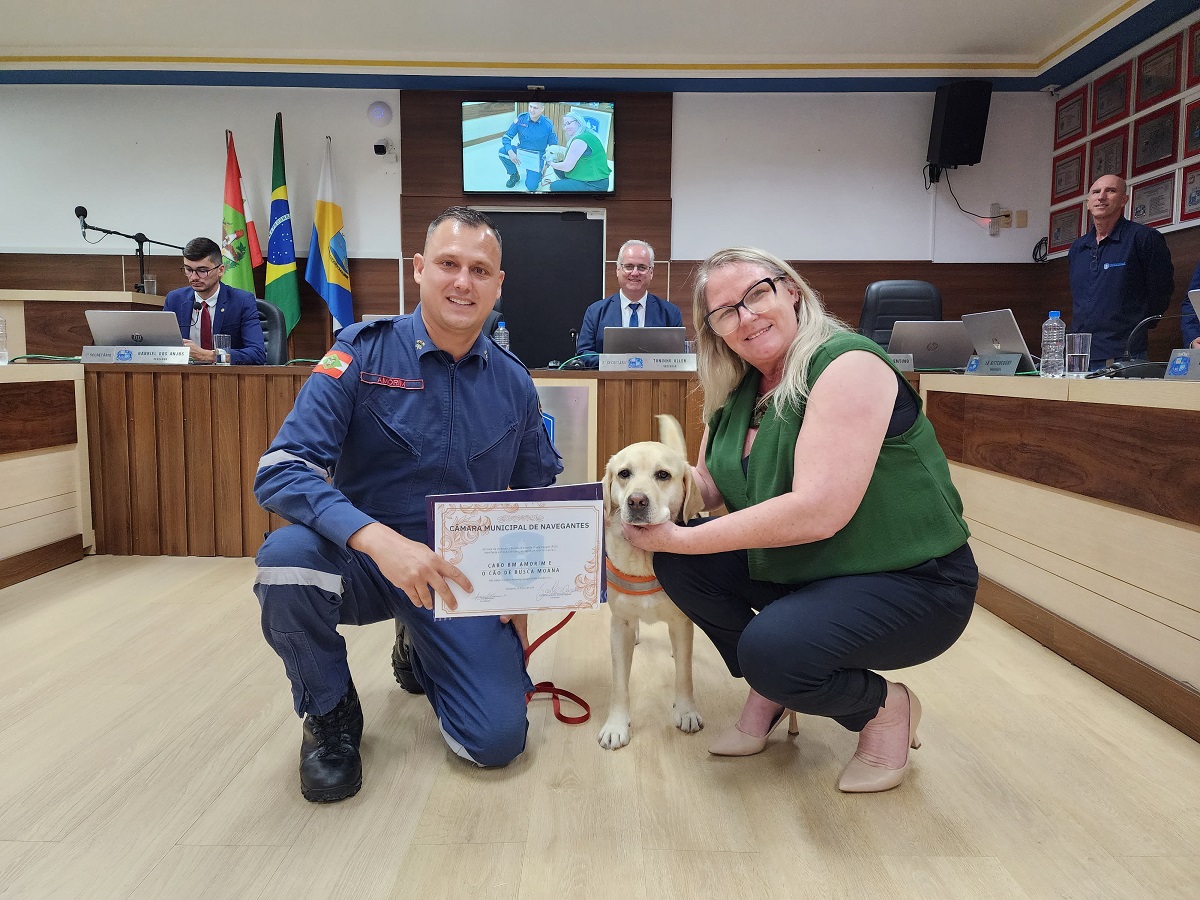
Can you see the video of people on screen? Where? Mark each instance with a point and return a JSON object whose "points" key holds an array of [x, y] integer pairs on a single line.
{"points": [[537, 147]]}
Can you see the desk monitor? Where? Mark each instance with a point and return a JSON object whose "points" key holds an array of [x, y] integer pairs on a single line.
{"points": [[133, 328], [997, 332], [933, 345], [652, 339]]}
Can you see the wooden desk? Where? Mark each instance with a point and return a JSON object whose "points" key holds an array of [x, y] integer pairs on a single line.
{"points": [[45, 502], [1081, 496], [174, 449], [52, 323]]}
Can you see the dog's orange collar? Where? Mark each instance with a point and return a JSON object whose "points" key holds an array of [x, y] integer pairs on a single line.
{"points": [[633, 585]]}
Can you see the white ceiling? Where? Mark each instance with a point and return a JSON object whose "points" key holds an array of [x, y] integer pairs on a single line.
{"points": [[535, 39]]}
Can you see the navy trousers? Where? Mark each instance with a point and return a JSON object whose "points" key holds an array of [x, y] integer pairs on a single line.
{"points": [[472, 669], [811, 647]]}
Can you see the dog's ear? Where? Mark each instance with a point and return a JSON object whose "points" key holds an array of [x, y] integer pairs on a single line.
{"points": [[610, 503], [693, 500]]}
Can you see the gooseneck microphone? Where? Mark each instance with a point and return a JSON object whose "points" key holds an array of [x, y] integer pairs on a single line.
{"points": [[1127, 366], [81, 215]]}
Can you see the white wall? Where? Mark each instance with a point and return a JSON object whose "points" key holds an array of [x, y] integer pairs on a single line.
{"points": [[152, 159], [838, 177], [808, 176]]}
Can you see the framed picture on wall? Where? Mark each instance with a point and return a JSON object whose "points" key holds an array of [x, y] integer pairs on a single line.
{"points": [[1064, 227], [1191, 129], [1189, 202], [1070, 117], [1110, 96], [1154, 139], [1068, 176], [1110, 154], [1192, 49], [1152, 202], [1158, 71]]}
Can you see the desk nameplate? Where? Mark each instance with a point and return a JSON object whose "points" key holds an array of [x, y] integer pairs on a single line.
{"points": [[168, 356], [647, 362], [996, 364]]}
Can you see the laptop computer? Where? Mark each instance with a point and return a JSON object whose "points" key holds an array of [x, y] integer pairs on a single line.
{"points": [[651, 339], [933, 345], [995, 332], [133, 328]]}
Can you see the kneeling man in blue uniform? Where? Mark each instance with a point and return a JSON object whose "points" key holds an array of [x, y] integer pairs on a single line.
{"points": [[632, 306], [207, 307], [400, 408]]}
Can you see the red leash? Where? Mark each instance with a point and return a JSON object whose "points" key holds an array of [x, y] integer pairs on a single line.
{"points": [[557, 694]]}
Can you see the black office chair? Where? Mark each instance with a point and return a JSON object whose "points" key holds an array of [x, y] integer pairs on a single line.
{"points": [[274, 327], [889, 302]]}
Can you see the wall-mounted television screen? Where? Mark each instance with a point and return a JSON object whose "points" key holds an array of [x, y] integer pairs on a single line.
{"points": [[536, 147]]}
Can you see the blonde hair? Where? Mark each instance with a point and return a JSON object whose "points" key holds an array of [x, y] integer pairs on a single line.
{"points": [[721, 370]]}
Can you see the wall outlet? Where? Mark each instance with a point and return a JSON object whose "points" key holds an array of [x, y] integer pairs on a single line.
{"points": [[994, 227], [1022, 218], [1006, 218]]}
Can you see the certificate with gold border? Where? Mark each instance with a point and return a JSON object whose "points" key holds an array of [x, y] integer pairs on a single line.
{"points": [[523, 551]]}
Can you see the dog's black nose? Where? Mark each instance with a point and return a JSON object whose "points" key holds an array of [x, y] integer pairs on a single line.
{"points": [[637, 501]]}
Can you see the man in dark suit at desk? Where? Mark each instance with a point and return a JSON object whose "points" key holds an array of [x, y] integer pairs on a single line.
{"points": [[632, 306], [207, 307]]}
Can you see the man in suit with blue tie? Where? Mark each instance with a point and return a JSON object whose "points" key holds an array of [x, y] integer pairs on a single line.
{"points": [[633, 306], [207, 307]]}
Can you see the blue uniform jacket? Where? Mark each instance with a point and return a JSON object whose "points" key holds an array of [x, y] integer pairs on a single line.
{"points": [[606, 313], [531, 135], [1191, 324], [236, 314], [1115, 285], [388, 418]]}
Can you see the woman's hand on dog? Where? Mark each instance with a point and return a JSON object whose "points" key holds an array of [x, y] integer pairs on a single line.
{"points": [[667, 536], [412, 567]]}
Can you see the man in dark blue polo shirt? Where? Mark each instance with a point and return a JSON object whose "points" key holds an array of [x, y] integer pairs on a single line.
{"points": [[1121, 272]]}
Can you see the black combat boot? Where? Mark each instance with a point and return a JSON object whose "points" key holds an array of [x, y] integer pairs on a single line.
{"points": [[330, 767], [402, 666]]}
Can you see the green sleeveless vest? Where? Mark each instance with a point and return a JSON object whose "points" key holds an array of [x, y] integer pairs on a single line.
{"points": [[911, 511]]}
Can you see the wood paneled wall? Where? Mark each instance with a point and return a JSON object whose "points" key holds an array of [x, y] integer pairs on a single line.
{"points": [[639, 208], [375, 284]]}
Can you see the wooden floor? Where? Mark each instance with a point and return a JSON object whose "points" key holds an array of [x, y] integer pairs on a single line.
{"points": [[148, 750]]}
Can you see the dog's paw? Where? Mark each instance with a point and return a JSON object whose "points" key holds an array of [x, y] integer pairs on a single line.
{"points": [[688, 720], [615, 734]]}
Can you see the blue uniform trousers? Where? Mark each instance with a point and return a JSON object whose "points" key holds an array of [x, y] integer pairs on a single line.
{"points": [[473, 669], [532, 178], [810, 647]]}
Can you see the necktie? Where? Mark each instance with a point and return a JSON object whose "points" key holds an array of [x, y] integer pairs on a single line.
{"points": [[205, 328], [633, 315]]}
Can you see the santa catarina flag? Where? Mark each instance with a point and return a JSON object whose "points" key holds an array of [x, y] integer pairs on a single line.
{"points": [[235, 245]]}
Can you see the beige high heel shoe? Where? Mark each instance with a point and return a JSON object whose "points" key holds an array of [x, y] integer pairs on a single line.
{"points": [[862, 777], [735, 742]]}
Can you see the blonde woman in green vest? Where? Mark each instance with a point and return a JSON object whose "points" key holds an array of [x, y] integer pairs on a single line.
{"points": [[844, 549], [585, 167]]}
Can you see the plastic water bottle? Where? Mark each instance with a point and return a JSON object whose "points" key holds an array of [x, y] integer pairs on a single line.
{"points": [[500, 335], [3, 343], [1054, 339]]}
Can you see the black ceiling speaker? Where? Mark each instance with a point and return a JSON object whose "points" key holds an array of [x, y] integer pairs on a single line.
{"points": [[960, 113]]}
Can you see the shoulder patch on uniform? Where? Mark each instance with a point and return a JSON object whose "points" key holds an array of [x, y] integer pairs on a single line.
{"points": [[334, 363]]}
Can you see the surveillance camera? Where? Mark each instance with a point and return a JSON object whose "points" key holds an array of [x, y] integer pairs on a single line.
{"points": [[381, 148]]}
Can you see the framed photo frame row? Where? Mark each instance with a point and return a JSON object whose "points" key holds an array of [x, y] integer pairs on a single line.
{"points": [[1138, 84], [1151, 203], [1154, 145]]}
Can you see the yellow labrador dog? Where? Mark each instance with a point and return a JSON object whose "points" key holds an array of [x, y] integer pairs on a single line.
{"points": [[646, 484]]}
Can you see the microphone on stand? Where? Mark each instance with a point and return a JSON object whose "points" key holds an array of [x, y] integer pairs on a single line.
{"points": [[1127, 366], [81, 215]]}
